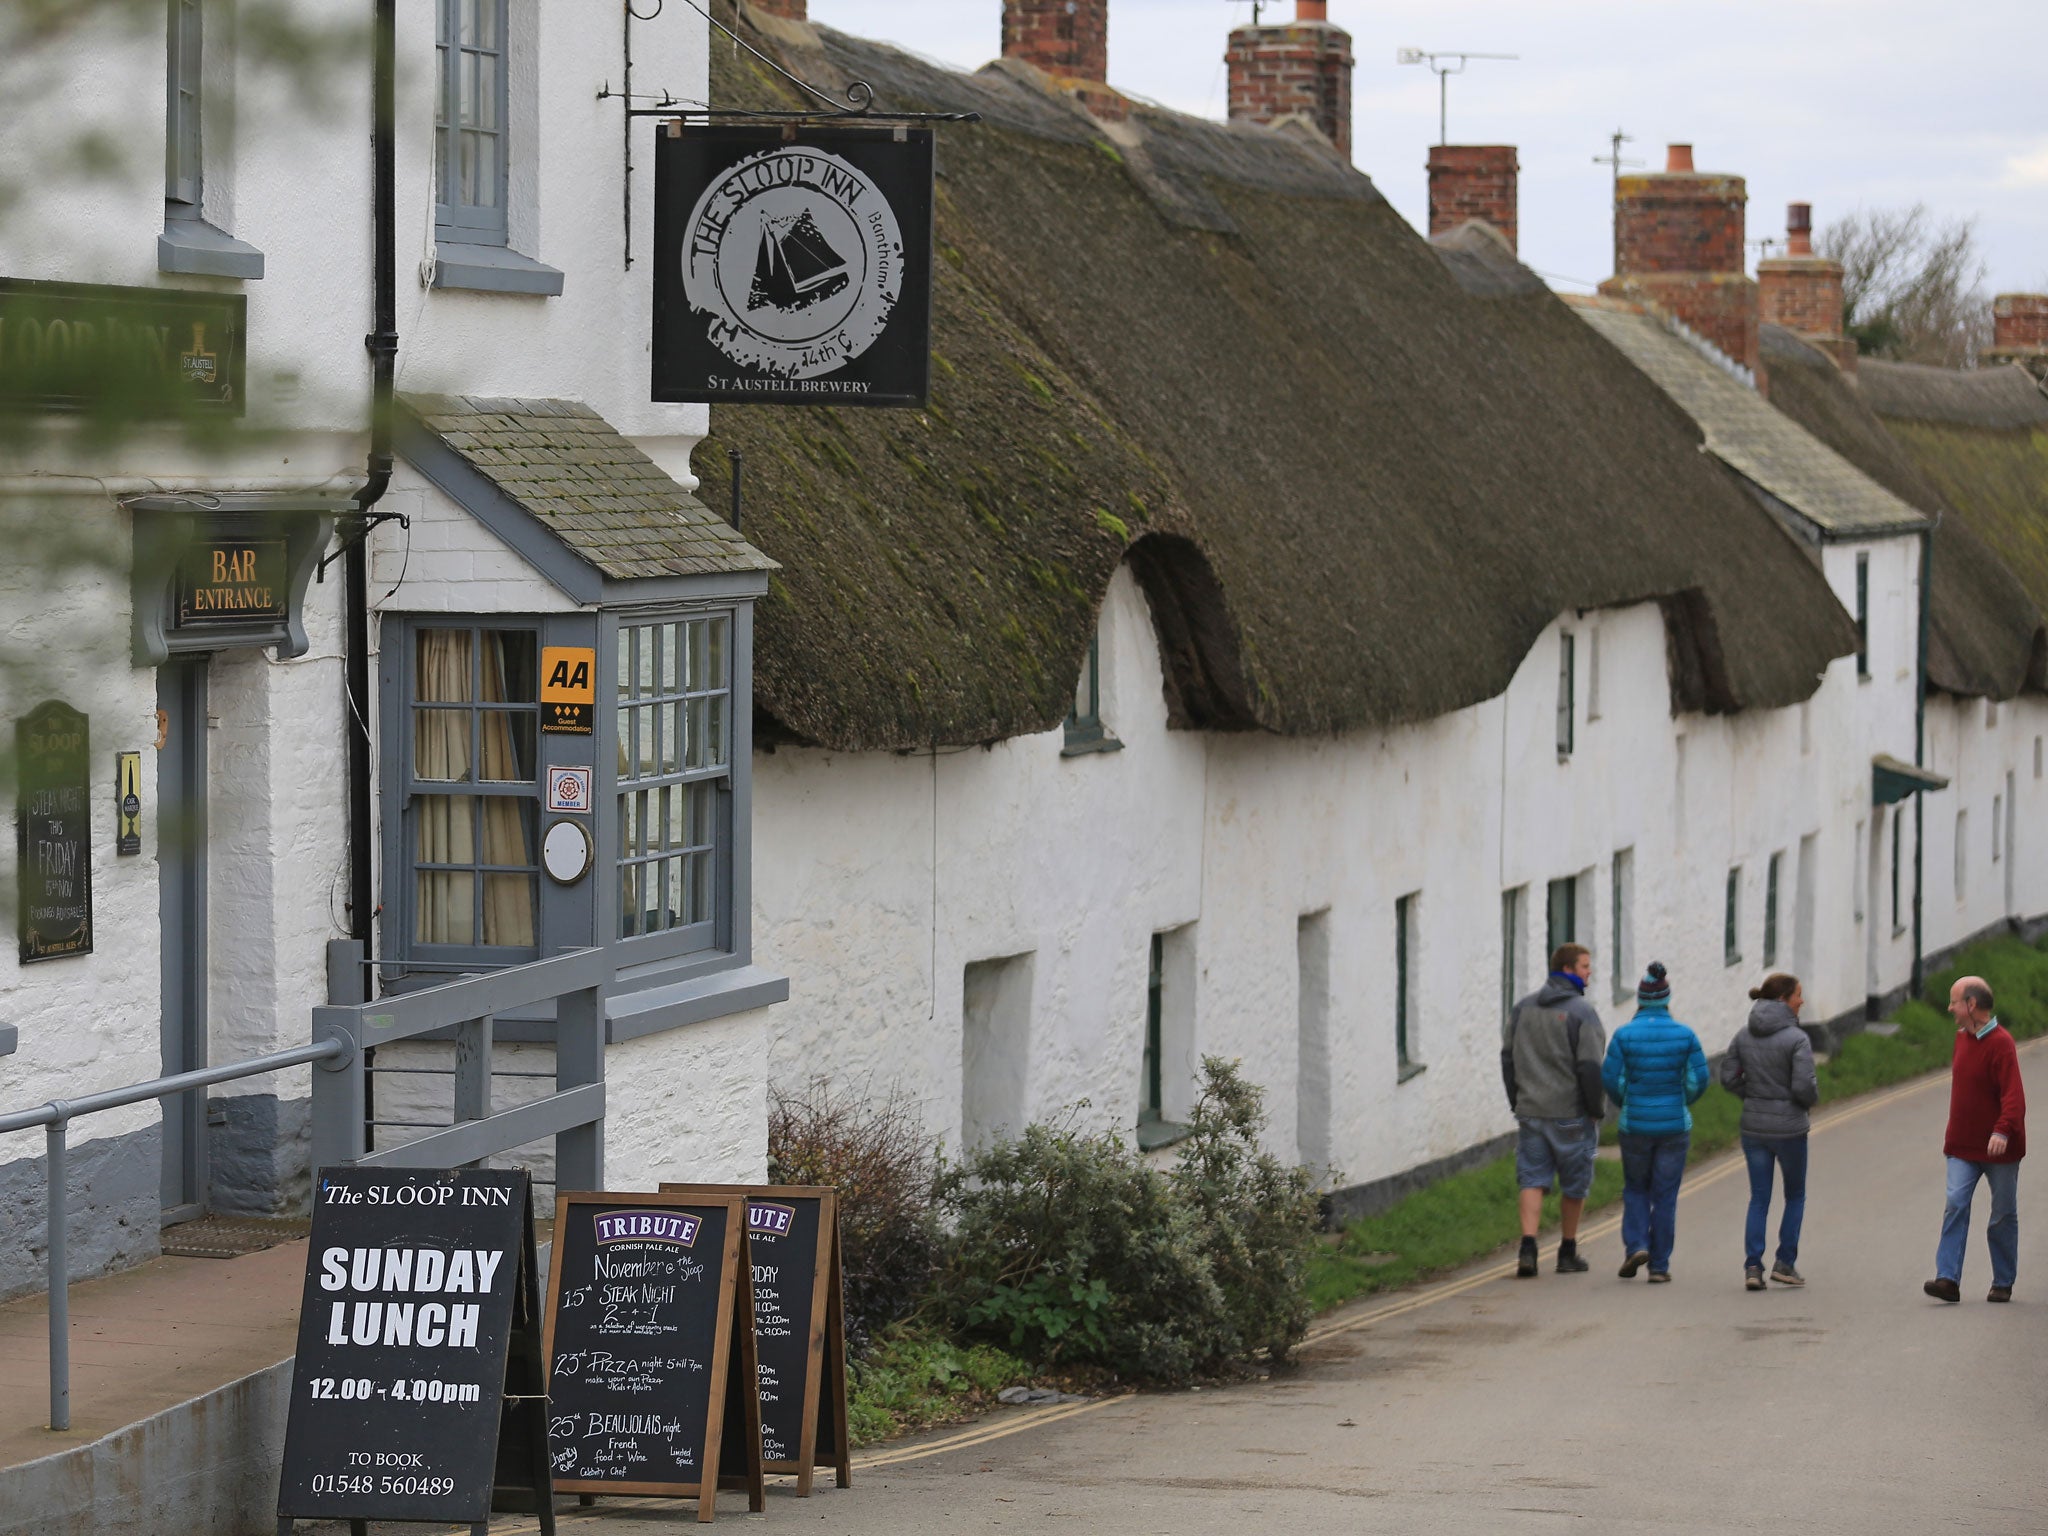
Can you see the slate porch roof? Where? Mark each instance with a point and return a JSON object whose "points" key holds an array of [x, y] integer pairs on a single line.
{"points": [[1759, 443], [609, 503]]}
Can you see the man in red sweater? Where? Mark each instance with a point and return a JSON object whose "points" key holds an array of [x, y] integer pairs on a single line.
{"points": [[1987, 1137]]}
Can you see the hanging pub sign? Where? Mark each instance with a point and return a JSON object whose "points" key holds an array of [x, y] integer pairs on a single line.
{"points": [[416, 1390], [793, 265], [144, 352], [228, 580], [53, 833]]}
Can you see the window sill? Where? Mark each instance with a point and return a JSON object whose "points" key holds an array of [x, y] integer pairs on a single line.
{"points": [[493, 269], [1410, 1070], [629, 1015], [1157, 1135], [1082, 743], [194, 246]]}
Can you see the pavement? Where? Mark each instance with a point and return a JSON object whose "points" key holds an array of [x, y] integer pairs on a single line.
{"points": [[1570, 1402], [1476, 1404]]}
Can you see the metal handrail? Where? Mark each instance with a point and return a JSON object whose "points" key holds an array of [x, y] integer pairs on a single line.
{"points": [[56, 1116]]}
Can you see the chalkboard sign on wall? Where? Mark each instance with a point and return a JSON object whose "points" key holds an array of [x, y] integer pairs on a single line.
{"points": [[648, 1348], [799, 1325], [418, 1342], [53, 833]]}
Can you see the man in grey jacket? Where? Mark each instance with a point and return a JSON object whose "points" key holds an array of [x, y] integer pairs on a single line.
{"points": [[1551, 1048], [1769, 1065]]}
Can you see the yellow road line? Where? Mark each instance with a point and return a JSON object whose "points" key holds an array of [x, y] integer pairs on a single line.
{"points": [[982, 1433]]}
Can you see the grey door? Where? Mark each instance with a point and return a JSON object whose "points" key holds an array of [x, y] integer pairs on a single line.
{"points": [[181, 885]]}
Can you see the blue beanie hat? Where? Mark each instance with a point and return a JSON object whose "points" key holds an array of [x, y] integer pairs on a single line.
{"points": [[1654, 988]]}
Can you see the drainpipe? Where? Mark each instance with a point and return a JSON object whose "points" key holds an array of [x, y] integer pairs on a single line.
{"points": [[382, 343], [1920, 749]]}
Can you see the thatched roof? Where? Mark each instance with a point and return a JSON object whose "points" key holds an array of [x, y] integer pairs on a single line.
{"points": [[1987, 634], [1354, 489]]}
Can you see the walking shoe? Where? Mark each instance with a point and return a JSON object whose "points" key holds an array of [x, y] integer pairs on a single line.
{"points": [[1568, 1260], [1632, 1263], [1660, 1277], [1943, 1290], [1753, 1278], [1525, 1261], [1785, 1274], [1999, 1293]]}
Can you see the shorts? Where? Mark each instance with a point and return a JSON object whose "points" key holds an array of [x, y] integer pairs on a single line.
{"points": [[1557, 1149]]}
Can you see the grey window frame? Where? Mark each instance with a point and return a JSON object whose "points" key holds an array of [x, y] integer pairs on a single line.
{"points": [[184, 74], [1567, 689], [1511, 924], [457, 222], [1898, 848], [1151, 1069], [716, 936], [1406, 1061], [1731, 919], [1568, 887], [1084, 731], [1621, 937], [1771, 872]]}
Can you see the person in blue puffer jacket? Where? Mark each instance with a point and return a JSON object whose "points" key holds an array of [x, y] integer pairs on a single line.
{"points": [[1654, 1069]]}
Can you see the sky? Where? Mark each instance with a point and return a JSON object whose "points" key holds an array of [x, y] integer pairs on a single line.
{"points": [[1839, 103]]}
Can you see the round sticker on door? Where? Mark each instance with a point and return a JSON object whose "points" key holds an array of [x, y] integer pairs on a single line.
{"points": [[797, 258], [565, 852]]}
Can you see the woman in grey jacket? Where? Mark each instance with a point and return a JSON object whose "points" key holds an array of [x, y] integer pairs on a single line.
{"points": [[1769, 1065]]}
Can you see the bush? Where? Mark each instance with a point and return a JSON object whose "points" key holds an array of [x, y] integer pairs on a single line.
{"points": [[910, 1378], [1070, 1250], [877, 1155]]}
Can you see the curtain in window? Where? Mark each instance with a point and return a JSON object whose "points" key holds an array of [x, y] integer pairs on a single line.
{"points": [[446, 826]]}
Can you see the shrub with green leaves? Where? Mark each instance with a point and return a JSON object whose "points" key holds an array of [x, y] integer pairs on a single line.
{"points": [[1070, 1250]]}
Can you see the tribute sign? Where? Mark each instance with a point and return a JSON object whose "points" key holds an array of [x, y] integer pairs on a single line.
{"points": [[419, 1367], [53, 833], [799, 1325], [649, 1350], [793, 265], [146, 352], [127, 802]]}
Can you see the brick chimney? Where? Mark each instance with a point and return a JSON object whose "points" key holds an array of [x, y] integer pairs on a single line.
{"points": [[1802, 291], [1473, 181], [1300, 68], [795, 10], [2019, 332], [1678, 239], [1061, 37]]}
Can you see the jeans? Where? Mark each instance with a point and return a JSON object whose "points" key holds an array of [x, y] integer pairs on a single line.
{"points": [[2004, 1232], [1651, 1167], [1762, 1153]]}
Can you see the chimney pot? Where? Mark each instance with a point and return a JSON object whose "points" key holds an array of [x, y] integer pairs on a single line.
{"points": [[2019, 331], [1678, 157], [1799, 229], [1311, 10]]}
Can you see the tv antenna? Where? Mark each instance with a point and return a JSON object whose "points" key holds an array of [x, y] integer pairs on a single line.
{"points": [[1614, 161], [1443, 72]]}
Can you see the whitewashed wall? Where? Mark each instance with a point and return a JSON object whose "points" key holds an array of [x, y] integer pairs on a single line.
{"points": [[880, 877]]}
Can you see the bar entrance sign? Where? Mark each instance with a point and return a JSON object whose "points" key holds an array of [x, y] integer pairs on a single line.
{"points": [[649, 1348], [799, 1325], [417, 1386]]}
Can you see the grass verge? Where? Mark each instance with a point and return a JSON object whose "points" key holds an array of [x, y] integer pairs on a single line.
{"points": [[1459, 1218], [912, 1378]]}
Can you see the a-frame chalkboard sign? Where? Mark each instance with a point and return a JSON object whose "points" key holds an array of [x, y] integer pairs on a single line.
{"points": [[417, 1390], [650, 1350], [799, 1325]]}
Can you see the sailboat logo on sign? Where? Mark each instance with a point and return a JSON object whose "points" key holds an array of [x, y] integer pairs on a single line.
{"points": [[796, 258]]}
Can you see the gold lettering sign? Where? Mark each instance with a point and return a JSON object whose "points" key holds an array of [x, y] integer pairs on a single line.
{"points": [[233, 581]]}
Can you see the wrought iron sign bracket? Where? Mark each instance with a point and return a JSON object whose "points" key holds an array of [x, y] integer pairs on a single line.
{"points": [[355, 528]]}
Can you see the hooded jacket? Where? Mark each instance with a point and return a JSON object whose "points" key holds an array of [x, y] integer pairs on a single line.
{"points": [[1544, 1078], [1655, 1067], [1769, 1066]]}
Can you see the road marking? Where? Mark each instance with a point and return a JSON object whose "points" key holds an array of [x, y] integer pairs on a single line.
{"points": [[982, 1433]]}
